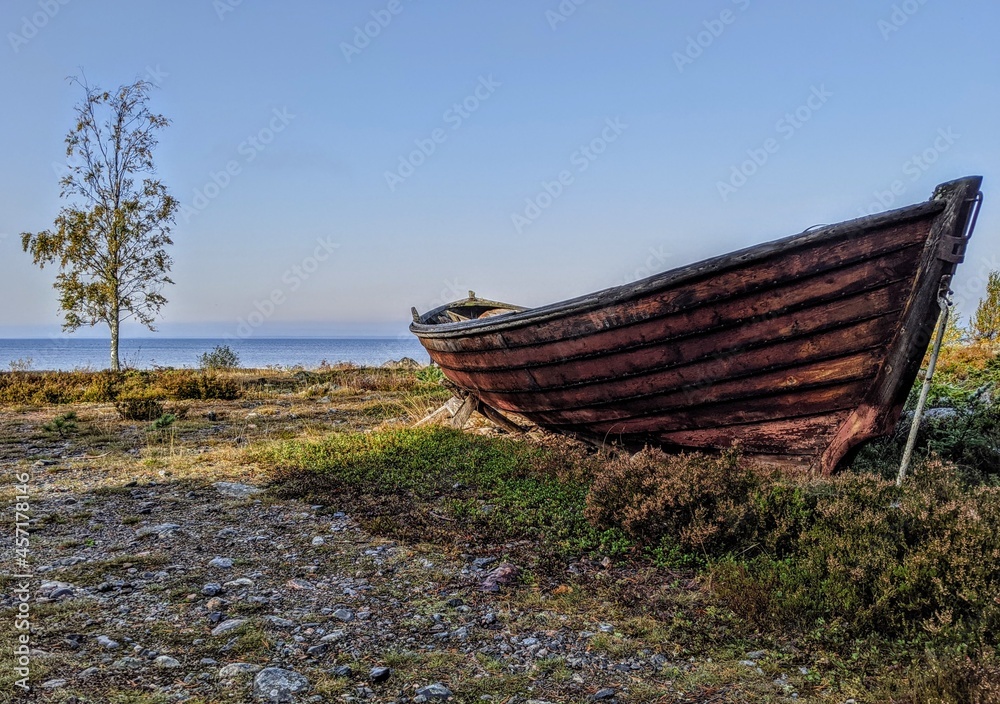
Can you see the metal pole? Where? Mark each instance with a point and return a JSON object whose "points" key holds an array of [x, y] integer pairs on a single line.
{"points": [[919, 410]]}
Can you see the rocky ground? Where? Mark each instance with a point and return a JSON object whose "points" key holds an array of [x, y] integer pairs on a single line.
{"points": [[163, 570]]}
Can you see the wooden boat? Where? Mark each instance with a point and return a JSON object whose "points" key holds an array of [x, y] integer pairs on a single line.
{"points": [[798, 349]]}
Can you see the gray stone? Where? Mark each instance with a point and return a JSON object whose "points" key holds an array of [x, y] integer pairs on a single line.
{"points": [[603, 694], [161, 530], [226, 533], [241, 582], [223, 563], [236, 490], [53, 684], [342, 671], [345, 615], [332, 637], [107, 643], [211, 589], [318, 540], [434, 691], [237, 669], [128, 663], [481, 562], [166, 661], [279, 622], [276, 684], [379, 674], [227, 626], [89, 672]]}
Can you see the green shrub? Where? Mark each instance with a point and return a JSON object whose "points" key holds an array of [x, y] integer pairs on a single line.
{"points": [[222, 357], [164, 421], [918, 562], [62, 425], [699, 502]]}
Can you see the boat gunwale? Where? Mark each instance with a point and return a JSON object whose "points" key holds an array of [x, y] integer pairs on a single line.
{"points": [[583, 356], [652, 284]]}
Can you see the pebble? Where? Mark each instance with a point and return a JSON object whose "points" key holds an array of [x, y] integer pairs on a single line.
{"points": [[342, 671], [379, 674], [345, 615], [107, 643], [226, 533], [89, 672], [236, 490], [275, 684], [227, 626], [215, 604], [162, 530], [434, 691], [603, 694], [53, 684], [166, 661], [318, 540], [237, 669], [279, 622], [211, 589], [224, 563], [332, 637]]}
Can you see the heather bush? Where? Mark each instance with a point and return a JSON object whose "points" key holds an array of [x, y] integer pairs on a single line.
{"points": [[917, 562], [143, 408], [854, 554], [697, 502], [188, 384]]}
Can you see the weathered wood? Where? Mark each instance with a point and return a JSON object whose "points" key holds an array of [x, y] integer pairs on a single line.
{"points": [[800, 348], [464, 412], [500, 419], [442, 414]]}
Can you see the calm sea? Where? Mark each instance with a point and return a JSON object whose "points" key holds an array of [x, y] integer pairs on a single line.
{"points": [[66, 353]]}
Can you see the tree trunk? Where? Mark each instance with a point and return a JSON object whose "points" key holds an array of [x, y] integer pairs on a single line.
{"points": [[115, 324]]}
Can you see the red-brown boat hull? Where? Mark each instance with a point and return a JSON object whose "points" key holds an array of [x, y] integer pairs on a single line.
{"points": [[798, 349]]}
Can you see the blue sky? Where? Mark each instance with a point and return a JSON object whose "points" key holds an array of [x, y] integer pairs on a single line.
{"points": [[341, 162]]}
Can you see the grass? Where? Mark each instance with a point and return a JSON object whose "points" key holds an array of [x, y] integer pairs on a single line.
{"points": [[433, 482]]}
